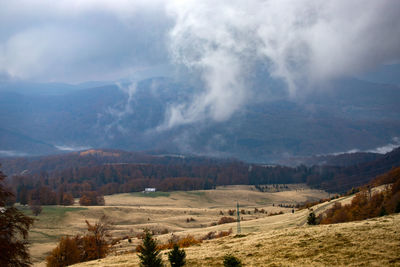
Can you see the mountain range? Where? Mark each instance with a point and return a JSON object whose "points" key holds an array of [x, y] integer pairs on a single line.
{"points": [[347, 114]]}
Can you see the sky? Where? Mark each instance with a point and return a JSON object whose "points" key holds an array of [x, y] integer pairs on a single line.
{"points": [[221, 43]]}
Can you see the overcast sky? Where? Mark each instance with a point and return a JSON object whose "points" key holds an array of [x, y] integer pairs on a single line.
{"points": [[300, 42]]}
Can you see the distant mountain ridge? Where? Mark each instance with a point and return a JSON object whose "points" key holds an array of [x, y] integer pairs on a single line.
{"points": [[347, 114]]}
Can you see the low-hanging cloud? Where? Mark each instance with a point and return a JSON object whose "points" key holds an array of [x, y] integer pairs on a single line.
{"points": [[221, 43], [81, 40], [303, 43]]}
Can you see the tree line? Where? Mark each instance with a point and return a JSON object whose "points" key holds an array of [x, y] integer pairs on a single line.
{"points": [[60, 187], [366, 203]]}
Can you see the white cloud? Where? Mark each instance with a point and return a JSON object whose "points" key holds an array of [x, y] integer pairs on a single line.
{"points": [[71, 148], [302, 42], [387, 148], [81, 40]]}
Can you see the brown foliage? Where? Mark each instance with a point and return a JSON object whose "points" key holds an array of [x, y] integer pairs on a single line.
{"points": [[190, 219], [275, 213], [231, 212], [387, 178], [91, 198], [67, 199], [14, 227], [226, 220], [43, 196], [66, 253], [36, 209], [214, 234], [182, 242], [95, 244], [366, 205]]}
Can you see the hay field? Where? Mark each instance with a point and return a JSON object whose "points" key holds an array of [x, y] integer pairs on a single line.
{"points": [[162, 211], [373, 242]]}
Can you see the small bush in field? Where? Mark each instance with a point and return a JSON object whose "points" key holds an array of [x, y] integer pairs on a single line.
{"points": [[275, 213], [95, 244], [232, 261], [182, 242], [226, 220], [188, 241], [36, 209], [231, 212], [312, 219], [213, 234], [66, 253]]}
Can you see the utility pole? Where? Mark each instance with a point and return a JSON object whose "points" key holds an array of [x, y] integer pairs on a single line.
{"points": [[238, 219]]}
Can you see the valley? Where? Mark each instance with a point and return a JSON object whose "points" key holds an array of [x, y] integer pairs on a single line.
{"points": [[179, 212]]}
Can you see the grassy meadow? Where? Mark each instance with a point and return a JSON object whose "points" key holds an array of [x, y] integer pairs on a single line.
{"points": [[373, 242], [167, 212]]}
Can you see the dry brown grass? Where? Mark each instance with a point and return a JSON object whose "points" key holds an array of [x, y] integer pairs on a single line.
{"points": [[132, 213], [374, 242]]}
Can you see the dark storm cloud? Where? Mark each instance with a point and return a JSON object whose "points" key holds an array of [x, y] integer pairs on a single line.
{"points": [[81, 40], [303, 42]]}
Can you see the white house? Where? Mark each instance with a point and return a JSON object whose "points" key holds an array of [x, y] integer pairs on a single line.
{"points": [[149, 189]]}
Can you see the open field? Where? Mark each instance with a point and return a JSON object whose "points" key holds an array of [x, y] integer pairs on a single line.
{"points": [[374, 242], [169, 211]]}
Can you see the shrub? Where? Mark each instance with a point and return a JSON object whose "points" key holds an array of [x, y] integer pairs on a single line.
{"points": [[177, 257], [149, 254], [397, 209], [188, 241], [231, 261], [91, 198], [213, 234], [67, 199], [66, 253], [226, 220], [93, 245], [190, 219], [36, 209], [312, 219]]}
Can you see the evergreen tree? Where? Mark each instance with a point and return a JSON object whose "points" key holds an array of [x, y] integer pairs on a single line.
{"points": [[149, 254], [312, 219], [383, 211], [232, 261], [177, 257], [14, 227], [397, 210]]}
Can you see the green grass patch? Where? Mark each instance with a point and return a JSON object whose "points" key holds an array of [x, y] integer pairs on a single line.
{"points": [[263, 201], [50, 214], [151, 194], [196, 193], [42, 237]]}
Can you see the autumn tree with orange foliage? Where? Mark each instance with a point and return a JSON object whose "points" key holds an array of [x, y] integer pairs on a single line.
{"points": [[91, 198], [366, 205], [66, 253], [95, 244]]}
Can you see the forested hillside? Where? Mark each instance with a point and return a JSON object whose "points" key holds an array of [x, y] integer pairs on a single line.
{"points": [[114, 171]]}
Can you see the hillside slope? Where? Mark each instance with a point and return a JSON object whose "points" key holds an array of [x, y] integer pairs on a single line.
{"points": [[373, 242]]}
